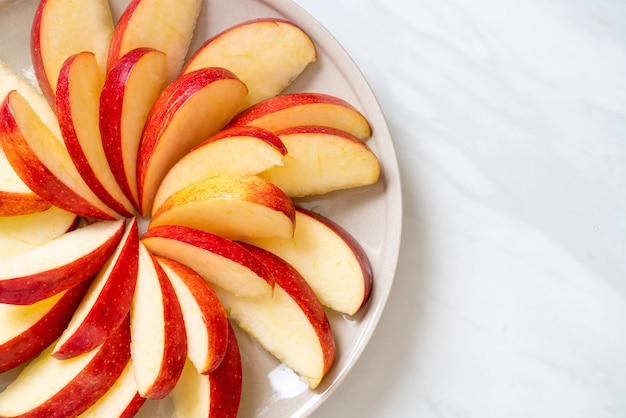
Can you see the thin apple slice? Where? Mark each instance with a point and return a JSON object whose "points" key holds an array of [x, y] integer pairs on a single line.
{"points": [[62, 263], [300, 109], [159, 341], [339, 271], [19, 234], [78, 108], [240, 150], [130, 90], [62, 28], [191, 109], [291, 323], [52, 388], [42, 161], [235, 207], [107, 302], [26, 330], [213, 395], [220, 261], [165, 25], [267, 54], [322, 160], [205, 318], [15, 197]]}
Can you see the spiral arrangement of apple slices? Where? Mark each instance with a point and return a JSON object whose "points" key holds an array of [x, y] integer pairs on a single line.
{"points": [[147, 201]]}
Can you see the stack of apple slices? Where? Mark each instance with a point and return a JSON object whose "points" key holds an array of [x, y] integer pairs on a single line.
{"points": [[146, 202]]}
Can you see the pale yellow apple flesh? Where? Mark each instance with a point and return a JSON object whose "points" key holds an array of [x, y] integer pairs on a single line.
{"points": [[15, 197]]}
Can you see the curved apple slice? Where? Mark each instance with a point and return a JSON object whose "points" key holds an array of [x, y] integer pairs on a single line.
{"points": [[240, 150], [130, 90], [159, 341], [42, 161], [220, 261], [250, 50], [62, 28], [62, 263], [300, 109], [78, 108], [205, 318], [291, 323], [235, 207], [188, 111], [48, 387], [165, 25], [26, 330], [107, 302], [15, 197], [19, 234]]}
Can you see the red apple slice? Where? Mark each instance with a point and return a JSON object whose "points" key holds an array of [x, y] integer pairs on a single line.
{"points": [[26, 330], [213, 395], [299, 109], [219, 260], [78, 109], [205, 318], [130, 90], [15, 197], [291, 324], [191, 109], [165, 25], [240, 150], [159, 341], [107, 302], [52, 388], [339, 271], [62, 28], [19, 234], [266, 54], [235, 207], [43, 163], [322, 160], [62, 263]]}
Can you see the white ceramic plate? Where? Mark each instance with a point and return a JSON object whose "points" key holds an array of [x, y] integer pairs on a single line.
{"points": [[372, 214]]}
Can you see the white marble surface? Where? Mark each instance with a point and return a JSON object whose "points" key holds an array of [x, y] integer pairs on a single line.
{"points": [[509, 119]]}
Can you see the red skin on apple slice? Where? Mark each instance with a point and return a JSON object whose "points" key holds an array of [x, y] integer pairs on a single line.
{"points": [[52, 388], [15, 197], [108, 301], [300, 109], [194, 107], [59, 264], [214, 395], [29, 329]]}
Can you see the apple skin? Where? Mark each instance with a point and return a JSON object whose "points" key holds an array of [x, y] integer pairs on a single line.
{"points": [[39, 335], [299, 109], [15, 204]]}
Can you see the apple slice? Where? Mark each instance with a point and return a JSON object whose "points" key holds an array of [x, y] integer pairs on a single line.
{"points": [[213, 395], [165, 25], [291, 324], [15, 197], [42, 161], [339, 271], [108, 301], [62, 263], [19, 234], [300, 109], [322, 160], [205, 318], [191, 109], [240, 150], [62, 28], [50, 388], [78, 108], [26, 330], [219, 260], [235, 207], [159, 341], [130, 90], [266, 54]]}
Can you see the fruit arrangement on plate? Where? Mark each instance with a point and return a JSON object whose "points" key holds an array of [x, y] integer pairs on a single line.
{"points": [[149, 205]]}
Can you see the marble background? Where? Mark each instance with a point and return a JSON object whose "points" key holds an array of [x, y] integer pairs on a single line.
{"points": [[509, 119]]}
